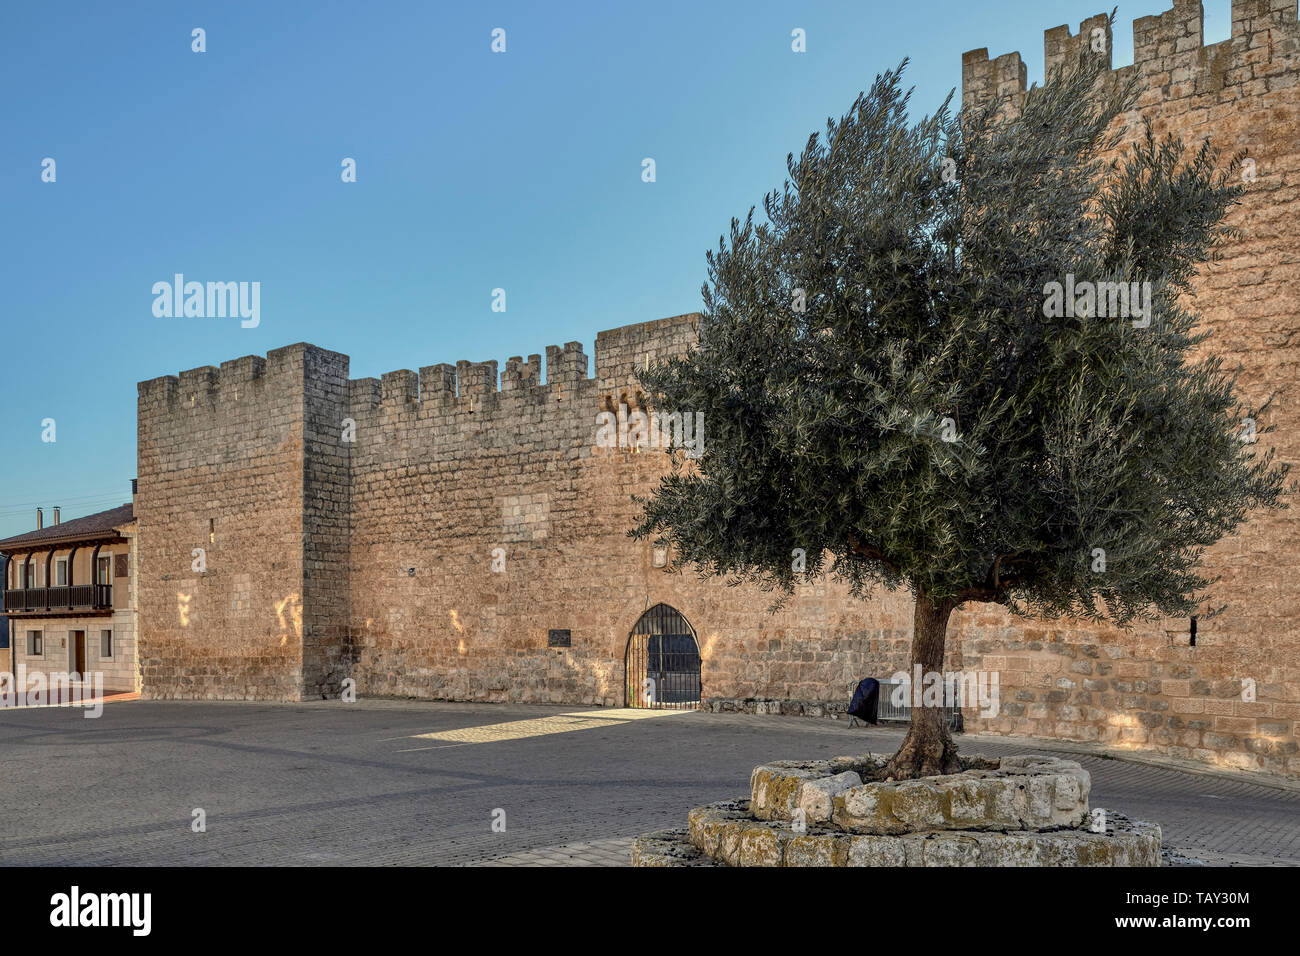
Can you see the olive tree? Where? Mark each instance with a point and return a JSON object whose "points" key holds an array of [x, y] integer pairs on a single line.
{"points": [[959, 356]]}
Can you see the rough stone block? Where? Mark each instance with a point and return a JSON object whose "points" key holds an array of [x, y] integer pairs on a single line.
{"points": [[1027, 794], [725, 833], [667, 848], [816, 797]]}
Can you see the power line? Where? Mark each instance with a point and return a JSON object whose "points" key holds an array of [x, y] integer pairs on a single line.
{"points": [[87, 507], [59, 499], [91, 503]]}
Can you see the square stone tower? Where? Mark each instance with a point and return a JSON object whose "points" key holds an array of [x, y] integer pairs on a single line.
{"points": [[243, 490]]}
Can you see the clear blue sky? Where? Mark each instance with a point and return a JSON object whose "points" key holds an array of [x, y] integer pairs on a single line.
{"points": [[474, 171]]}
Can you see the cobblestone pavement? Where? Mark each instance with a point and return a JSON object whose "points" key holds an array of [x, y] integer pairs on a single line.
{"points": [[403, 782]]}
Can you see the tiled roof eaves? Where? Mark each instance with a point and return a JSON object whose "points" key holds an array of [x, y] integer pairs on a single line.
{"points": [[90, 527]]}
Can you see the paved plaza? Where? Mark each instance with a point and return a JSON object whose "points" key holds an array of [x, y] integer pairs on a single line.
{"points": [[408, 783]]}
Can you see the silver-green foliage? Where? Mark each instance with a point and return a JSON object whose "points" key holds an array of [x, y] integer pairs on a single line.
{"points": [[897, 280]]}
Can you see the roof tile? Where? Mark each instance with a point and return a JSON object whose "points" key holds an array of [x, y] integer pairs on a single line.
{"points": [[91, 526]]}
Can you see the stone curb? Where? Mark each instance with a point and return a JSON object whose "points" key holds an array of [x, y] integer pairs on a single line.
{"points": [[668, 848], [726, 833]]}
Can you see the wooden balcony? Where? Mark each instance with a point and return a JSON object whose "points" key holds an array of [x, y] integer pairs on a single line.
{"points": [[78, 598]]}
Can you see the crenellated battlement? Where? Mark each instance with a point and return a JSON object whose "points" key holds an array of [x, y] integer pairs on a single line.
{"points": [[257, 403], [520, 374], [445, 389], [242, 370], [1169, 54], [1060, 47], [281, 367], [401, 387]]}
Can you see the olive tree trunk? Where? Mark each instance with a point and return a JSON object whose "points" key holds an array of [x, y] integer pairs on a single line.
{"points": [[928, 748]]}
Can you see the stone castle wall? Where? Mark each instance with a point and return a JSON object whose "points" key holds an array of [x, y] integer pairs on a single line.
{"points": [[221, 470], [450, 473], [1151, 688], [373, 558], [367, 548]]}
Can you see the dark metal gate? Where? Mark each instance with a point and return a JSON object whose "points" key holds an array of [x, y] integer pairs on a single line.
{"points": [[662, 662]]}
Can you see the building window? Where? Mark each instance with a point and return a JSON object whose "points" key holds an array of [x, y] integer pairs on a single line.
{"points": [[106, 644], [103, 571], [34, 641], [61, 572], [30, 575]]}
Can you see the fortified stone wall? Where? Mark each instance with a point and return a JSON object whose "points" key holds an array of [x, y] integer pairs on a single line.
{"points": [[221, 469], [484, 518], [1154, 688], [423, 532], [326, 524]]}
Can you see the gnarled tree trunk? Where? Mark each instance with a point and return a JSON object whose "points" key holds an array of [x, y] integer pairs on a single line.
{"points": [[928, 748]]}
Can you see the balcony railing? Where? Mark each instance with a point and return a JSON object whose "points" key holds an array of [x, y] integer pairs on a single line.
{"points": [[78, 597]]}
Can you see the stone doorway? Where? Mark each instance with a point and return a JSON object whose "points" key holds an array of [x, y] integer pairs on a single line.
{"points": [[662, 662]]}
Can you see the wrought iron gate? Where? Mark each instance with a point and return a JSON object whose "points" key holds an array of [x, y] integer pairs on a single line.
{"points": [[662, 663]]}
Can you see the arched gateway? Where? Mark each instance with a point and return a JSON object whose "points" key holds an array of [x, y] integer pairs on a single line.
{"points": [[662, 662]]}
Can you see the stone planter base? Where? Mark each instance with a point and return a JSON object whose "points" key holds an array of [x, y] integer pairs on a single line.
{"points": [[668, 848], [1015, 793], [726, 833], [1017, 811]]}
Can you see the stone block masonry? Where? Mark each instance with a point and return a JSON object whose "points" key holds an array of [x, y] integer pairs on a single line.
{"points": [[484, 518], [422, 532], [243, 528], [1230, 694]]}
